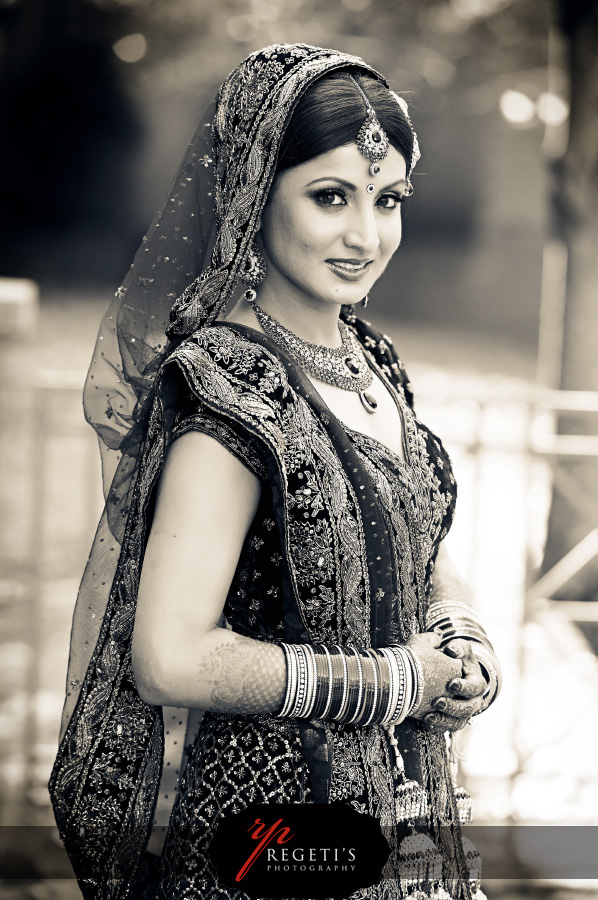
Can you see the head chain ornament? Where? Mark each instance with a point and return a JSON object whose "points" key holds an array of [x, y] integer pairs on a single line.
{"points": [[373, 141]]}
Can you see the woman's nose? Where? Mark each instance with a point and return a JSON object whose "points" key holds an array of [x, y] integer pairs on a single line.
{"points": [[362, 231]]}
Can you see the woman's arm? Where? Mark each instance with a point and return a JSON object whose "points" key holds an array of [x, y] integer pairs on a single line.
{"points": [[205, 503]]}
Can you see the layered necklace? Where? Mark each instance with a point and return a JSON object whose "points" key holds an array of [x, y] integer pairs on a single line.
{"points": [[345, 366]]}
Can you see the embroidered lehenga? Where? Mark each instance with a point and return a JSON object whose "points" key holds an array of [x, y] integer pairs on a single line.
{"points": [[341, 550]]}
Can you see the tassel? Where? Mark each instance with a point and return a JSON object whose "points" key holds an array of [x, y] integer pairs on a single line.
{"points": [[420, 861], [463, 801], [411, 800], [473, 861], [464, 805]]}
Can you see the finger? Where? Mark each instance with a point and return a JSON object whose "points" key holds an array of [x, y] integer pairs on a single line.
{"points": [[469, 661], [457, 648], [472, 671], [430, 638], [466, 688], [460, 709], [436, 638], [438, 722]]}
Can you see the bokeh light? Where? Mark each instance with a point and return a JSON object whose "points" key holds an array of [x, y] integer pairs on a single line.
{"points": [[131, 48], [552, 109], [477, 9], [242, 28], [517, 108]]}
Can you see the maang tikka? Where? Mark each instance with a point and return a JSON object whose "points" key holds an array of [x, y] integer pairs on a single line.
{"points": [[372, 140]]}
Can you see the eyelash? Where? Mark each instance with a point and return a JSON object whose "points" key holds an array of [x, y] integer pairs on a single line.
{"points": [[320, 196]]}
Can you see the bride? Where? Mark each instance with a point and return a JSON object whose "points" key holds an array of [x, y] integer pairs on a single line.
{"points": [[276, 519]]}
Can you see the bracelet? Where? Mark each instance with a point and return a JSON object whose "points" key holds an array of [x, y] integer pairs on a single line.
{"points": [[372, 700], [488, 661], [350, 686], [453, 621], [393, 679], [418, 681], [328, 701]]}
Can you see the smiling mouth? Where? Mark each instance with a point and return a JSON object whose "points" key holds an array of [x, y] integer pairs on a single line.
{"points": [[349, 268]]}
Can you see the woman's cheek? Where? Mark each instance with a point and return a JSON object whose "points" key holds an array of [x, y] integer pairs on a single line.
{"points": [[390, 238]]}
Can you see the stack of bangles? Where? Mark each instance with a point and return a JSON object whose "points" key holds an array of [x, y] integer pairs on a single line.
{"points": [[454, 620], [343, 684]]}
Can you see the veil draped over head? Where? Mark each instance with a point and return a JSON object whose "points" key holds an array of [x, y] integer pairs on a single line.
{"points": [[182, 277]]}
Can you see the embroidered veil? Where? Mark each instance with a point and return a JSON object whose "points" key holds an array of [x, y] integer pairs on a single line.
{"points": [[182, 277]]}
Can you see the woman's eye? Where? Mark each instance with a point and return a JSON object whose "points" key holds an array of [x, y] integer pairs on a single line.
{"points": [[390, 201], [330, 198]]}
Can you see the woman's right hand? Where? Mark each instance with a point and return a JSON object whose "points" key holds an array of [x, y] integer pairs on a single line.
{"points": [[439, 670]]}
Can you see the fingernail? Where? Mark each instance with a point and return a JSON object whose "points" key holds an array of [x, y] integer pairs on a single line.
{"points": [[454, 686], [431, 719], [440, 704], [450, 652]]}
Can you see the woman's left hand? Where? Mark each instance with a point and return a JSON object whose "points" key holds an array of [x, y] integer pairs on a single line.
{"points": [[464, 695]]}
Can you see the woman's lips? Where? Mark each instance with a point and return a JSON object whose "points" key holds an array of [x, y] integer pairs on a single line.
{"points": [[349, 269]]}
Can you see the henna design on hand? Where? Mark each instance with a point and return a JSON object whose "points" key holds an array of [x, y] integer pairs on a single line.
{"points": [[458, 709], [440, 723]]}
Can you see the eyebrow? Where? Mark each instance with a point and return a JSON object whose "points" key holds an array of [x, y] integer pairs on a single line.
{"points": [[352, 187]]}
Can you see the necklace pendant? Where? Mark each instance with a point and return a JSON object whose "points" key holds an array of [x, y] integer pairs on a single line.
{"points": [[368, 401], [352, 365]]}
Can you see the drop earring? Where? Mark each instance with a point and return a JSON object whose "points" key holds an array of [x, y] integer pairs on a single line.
{"points": [[253, 272], [365, 301]]}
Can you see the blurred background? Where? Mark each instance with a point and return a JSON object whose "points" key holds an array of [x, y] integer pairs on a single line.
{"points": [[491, 301]]}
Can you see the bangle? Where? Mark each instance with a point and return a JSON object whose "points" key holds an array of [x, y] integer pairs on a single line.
{"points": [[290, 681], [370, 709], [418, 679], [328, 703], [383, 685], [488, 660], [341, 710], [404, 698]]}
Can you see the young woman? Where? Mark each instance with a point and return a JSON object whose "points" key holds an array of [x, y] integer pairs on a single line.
{"points": [[272, 533]]}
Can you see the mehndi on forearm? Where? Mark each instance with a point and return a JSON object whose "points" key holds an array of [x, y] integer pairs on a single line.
{"points": [[244, 677]]}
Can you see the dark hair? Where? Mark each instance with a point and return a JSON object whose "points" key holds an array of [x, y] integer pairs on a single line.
{"points": [[331, 113]]}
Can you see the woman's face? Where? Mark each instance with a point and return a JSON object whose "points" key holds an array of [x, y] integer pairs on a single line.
{"points": [[324, 236]]}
